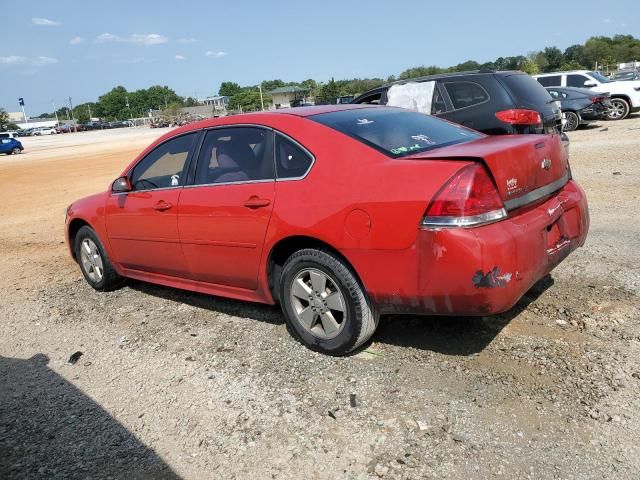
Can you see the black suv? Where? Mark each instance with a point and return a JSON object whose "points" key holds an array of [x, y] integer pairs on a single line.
{"points": [[495, 103]]}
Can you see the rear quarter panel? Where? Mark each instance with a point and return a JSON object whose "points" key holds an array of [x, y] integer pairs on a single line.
{"points": [[354, 198]]}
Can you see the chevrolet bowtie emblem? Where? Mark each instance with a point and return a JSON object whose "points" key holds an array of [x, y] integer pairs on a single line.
{"points": [[546, 164]]}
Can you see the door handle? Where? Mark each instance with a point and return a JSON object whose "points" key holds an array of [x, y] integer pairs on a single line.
{"points": [[162, 206], [256, 202]]}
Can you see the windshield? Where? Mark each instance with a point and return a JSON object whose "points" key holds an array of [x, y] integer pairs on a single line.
{"points": [[394, 131], [599, 77]]}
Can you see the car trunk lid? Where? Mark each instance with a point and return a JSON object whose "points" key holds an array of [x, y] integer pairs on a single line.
{"points": [[525, 168]]}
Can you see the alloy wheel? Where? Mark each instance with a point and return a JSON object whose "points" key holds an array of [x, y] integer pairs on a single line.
{"points": [[16, 150], [318, 304], [91, 260], [617, 110], [572, 122]]}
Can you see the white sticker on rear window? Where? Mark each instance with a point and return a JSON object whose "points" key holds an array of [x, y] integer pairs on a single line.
{"points": [[423, 138], [364, 121]]}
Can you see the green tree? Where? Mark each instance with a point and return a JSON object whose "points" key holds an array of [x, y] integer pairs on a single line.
{"points": [[229, 89], [570, 65], [268, 85], [114, 103], [191, 102], [4, 116], [420, 72], [529, 66], [465, 66], [575, 54], [554, 57], [248, 99], [328, 93]]}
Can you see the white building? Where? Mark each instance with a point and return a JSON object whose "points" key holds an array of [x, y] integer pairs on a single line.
{"points": [[218, 102]]}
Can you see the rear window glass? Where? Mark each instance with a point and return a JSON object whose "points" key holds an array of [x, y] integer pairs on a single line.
{"points": [[526, 89], [395, 132]]}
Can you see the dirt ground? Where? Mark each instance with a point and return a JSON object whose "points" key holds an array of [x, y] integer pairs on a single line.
{"points": [[179, 385]]}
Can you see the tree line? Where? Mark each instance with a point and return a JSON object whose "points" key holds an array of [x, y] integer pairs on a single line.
{"points": [[120, 104]]}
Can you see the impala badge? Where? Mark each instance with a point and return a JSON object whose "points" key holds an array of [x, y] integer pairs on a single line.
{"points": [[546, 164]]}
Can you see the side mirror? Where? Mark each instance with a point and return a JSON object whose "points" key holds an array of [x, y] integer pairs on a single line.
{"points": [[590, 84], [121, 185]]}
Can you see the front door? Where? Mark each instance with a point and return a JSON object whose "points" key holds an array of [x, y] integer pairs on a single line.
{"points": [[142, 225], [223, 217]]}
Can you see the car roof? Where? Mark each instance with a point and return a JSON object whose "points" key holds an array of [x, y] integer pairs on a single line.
{"points": [[259, 118], [561, 73], [468, 73]]}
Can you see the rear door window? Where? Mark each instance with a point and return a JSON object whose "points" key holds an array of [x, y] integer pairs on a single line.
{"points": [[575, 80], [551, 81], [235, 154], [466, 94], [396, 132]]}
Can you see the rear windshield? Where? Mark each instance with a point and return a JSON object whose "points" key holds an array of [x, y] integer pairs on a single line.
{"points": [[526, 89], [394, 131]]}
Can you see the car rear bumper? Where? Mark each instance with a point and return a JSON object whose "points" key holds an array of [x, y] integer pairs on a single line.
{"points": [[486, 270]]}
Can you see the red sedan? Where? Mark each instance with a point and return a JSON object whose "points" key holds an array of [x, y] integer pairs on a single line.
{"points": [[338, 213]]}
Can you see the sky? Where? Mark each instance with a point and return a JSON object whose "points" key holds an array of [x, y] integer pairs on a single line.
{"points": [[52, 50]]}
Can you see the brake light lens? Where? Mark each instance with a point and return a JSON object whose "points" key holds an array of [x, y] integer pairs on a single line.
{"points": [[519, 116], [597, 99], [469, 199]]}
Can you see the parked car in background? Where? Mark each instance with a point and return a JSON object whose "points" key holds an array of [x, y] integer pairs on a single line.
{"points": [[580, 106], [625, 95], [10, 146], [44, 131], [379, 210], [495, 103], [624, 75], [11, 134]]}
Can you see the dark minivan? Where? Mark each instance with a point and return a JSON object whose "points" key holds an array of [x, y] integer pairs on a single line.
{"points": [[495, 103]]}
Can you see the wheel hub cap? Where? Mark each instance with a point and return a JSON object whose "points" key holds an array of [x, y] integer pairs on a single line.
{"points": [[318, 303], [91, 260]]}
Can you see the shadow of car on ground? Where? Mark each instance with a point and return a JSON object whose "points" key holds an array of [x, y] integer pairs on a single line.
{"points": [[51, 429], [447, 335]]}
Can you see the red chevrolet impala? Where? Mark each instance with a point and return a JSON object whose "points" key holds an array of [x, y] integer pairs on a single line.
{"points": [[340, 214]]}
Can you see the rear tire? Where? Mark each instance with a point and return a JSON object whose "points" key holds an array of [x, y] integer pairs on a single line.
{"points": [[94, 262], [619, 109], [572, 121], [324, 304]]}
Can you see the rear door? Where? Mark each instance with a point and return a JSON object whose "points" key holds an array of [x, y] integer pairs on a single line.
{"points": [[223, 217]]}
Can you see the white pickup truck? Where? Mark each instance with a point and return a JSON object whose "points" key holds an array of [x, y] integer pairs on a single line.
{"points": [[625, 95]]}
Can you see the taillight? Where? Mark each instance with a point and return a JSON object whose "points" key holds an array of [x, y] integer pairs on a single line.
{"points": [[469, 199], [519, 116], [597, 99]]}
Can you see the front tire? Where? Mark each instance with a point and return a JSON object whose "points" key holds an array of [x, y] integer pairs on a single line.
{"points": [[16, 151], [324, 304], [94, 262], [619, 109], [572, 121]]}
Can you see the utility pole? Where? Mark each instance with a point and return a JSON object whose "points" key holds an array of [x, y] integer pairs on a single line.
{"points": [[26, 121], [89, 108], [261, 99], [75, 127], [128, 109], [55, 111]]}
